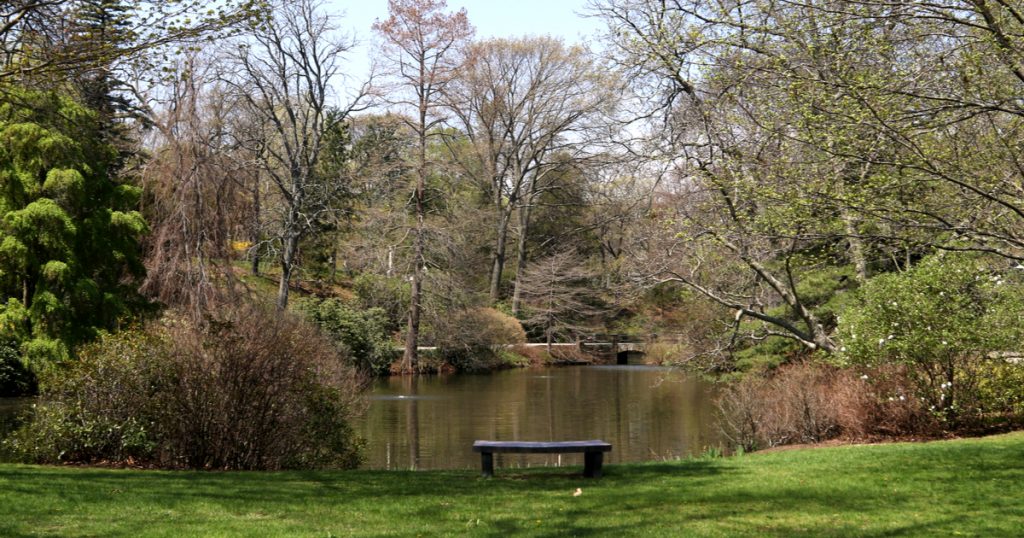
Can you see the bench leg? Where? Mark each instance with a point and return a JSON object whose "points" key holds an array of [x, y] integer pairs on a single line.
{"points": [[592, 464], [487, 464]]}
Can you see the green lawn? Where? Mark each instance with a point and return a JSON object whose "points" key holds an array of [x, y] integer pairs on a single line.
{"points": [[956, 488]]}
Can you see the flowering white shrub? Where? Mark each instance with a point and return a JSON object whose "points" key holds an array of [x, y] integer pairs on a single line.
{"points": [[943, 320]]}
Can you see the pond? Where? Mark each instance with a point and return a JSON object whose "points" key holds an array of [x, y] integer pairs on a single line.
{"points": [[12, 411], [430, 422]]}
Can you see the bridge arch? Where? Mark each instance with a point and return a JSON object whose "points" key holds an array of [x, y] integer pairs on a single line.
{"points": [[623, 356]]}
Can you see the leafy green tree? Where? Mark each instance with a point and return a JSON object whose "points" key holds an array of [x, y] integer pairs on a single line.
{"points": [[335, 168], [15, 379], [69, 234], [360, 333]]}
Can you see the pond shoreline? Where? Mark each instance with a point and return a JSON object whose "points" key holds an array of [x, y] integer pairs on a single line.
{"points": [[511, 357]]}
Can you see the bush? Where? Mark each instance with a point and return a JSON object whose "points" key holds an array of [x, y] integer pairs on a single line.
{"points": [[1000, 388], [797, 403], [252, 390], [100, 407], [362, 335], [481, 328], [947, 323], [476, 338], [808, 403], [892, 410], [390, 294]]}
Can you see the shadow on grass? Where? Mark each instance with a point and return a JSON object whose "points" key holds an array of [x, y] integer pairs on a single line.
{"points": [[869, 491]]}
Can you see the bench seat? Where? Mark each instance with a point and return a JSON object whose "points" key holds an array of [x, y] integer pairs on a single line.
{"points": [[593, 452]]}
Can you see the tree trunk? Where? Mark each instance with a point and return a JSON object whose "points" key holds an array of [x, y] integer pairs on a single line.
{"points": [[412, 336], [291, 245], [334, 262], [498, 266], [524, 226], [254, 233], [856, 247]]}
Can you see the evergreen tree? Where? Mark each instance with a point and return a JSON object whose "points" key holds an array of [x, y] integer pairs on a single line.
{"points": [[69, 237], [103, 30]]}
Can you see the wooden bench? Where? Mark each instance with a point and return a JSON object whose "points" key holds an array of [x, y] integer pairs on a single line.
{"points": [[593, 452]]}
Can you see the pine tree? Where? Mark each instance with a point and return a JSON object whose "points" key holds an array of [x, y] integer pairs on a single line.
{"points": [[69, 238], [103, 31]]}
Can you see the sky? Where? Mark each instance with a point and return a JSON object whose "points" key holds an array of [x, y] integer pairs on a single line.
{"points": [[492, 18]]}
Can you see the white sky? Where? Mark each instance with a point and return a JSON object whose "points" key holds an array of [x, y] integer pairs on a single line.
{"points": [[492, 18]]}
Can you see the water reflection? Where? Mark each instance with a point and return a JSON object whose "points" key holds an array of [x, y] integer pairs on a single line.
{"points": [[13, 412], [431, 422]]}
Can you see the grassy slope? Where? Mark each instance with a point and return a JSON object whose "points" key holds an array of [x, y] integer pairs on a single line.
{"points": [[970, 487]]}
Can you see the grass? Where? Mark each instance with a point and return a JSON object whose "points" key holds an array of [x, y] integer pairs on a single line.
{"points": [[950, 488]]}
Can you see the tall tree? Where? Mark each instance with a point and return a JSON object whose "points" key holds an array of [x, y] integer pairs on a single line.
{"points": [[198, 189], [70, 230], [47, 40], [527, 105], [775, 170], [559, 295], [419, 44], [284, 71]]}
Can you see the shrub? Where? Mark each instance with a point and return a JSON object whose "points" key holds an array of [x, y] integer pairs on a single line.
{"points": [[797, 403], [807, 402], [100, 407], [390, 294], [476, 338], [482, 328], [999, 387], [362, 335], [251, 390], [892, 408], [946, 324]]}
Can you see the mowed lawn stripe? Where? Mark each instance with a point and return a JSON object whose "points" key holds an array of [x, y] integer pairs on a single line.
{"points": [[966, 487]]}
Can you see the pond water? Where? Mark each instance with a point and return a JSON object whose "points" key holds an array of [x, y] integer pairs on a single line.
{"points": [[430, 422], [12, 411]]}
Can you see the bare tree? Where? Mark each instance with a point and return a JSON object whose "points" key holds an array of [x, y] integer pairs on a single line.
{"points": [[419, 44], [283, 73], [527, 105], [191, 178], [558, 295]]}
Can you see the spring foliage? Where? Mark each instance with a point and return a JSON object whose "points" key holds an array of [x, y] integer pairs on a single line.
{"points": [[361, 334], [69, 250], [953, 322]]}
